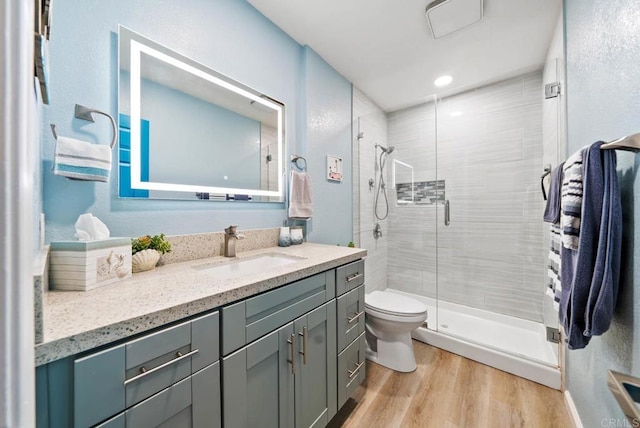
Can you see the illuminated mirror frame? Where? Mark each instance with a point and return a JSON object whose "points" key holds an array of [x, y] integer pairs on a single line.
{"points": [[136, 50]]}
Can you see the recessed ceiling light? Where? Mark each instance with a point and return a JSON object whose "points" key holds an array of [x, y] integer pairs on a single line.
{"points": [[456, 113], [443, 81]]}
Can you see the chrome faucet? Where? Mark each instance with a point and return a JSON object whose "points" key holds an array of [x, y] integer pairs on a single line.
{"points": [[230, 238]]}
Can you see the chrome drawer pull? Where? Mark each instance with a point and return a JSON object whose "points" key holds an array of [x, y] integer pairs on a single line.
{"points": [[353, 277], [292, 342], [144, 372], [355, 371], [304, 344], [354, 317]]}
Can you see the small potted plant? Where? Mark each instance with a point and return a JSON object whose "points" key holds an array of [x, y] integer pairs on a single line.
{"points": [[146, 251]]}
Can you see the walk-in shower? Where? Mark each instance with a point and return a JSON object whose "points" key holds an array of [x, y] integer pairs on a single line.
{"points": [[483, 275]]}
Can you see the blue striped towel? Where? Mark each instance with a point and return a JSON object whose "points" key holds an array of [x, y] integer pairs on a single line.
{"points": [[82, 160], [554, 269], [571, 200]]}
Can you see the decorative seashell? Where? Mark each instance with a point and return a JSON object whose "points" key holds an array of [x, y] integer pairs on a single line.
{"points": [[144, 260]]}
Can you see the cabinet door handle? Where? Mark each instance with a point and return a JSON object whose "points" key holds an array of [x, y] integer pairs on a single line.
{"points": [[353, 277], [292, 342], [354, 317], [304, 344], [144, 372], [355, 371]]}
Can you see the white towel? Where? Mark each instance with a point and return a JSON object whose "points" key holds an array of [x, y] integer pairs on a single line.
{"points": [[300, 196], [82, 160]]}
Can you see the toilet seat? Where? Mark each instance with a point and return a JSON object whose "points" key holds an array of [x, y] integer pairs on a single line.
{"points": [[382, 302]]}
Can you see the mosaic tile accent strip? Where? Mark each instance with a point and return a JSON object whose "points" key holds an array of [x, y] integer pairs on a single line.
{"points": [[424, 192]]}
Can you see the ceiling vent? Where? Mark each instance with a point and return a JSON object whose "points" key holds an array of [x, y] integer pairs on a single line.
{"points": [[448, 16]]}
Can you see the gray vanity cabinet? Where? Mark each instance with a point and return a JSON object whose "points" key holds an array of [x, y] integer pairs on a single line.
{"points": [[289, 357], [279, 367], [168, 378], [258, 383], [292, 369], [351, 325], [315, 373]]}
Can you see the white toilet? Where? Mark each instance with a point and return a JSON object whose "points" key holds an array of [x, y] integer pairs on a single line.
{"points": [[390, 318]]}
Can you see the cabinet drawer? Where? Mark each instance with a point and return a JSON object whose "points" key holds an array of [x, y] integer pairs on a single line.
{"points": [[159, 360], [350, 311], [173, 402], [351, 369], [110, 381], [117, 422], [192, 402], [155, 362], [349, 277], [246, 321]]}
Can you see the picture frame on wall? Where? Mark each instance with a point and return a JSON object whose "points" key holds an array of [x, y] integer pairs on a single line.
{"points": [[334, 168], [42, 32]]}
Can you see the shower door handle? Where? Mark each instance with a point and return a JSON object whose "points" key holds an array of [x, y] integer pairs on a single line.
{"points": [[447, 213]]}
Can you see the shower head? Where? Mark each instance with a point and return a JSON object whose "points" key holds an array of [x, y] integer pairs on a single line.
{"points": [[386, 150]]}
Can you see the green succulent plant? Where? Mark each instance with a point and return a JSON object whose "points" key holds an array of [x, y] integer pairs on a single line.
{"points": [[147, 242]]}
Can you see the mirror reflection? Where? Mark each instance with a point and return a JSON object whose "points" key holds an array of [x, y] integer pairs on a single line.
{"points": [[188, 132]]}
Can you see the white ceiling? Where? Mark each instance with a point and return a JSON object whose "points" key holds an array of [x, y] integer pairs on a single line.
{"points": [[386, 49]]}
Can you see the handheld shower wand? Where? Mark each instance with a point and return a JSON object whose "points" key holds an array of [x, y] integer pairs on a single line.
{"points": [[385, 151]]}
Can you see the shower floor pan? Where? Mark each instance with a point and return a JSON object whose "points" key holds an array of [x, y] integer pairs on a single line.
{"points": [[507, 343]]}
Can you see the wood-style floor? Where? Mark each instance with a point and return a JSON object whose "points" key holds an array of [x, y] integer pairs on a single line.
{"points": [[448, 391]]}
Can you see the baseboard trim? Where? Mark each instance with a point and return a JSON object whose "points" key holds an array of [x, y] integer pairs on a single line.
{"points": [[571, 408]]}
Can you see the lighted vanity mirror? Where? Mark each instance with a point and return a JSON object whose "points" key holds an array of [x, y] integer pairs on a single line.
{"points": [[188, 132]]}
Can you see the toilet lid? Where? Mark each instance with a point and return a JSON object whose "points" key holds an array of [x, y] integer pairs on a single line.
{"points": [[393, 303]]}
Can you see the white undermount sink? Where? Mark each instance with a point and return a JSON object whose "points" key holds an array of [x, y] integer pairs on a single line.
{"points": [[247, 266]]}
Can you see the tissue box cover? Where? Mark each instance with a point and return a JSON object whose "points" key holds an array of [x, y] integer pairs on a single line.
{"points": [[85, 265]]}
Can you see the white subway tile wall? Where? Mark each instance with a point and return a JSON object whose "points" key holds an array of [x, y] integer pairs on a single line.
{"points": [[373, 123]]}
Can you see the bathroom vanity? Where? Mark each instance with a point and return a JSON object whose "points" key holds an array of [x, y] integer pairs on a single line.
{"points": [[199, 343]]}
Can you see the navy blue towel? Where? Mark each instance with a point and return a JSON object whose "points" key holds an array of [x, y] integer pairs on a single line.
{"points": [[552, 210], [590, 301]]}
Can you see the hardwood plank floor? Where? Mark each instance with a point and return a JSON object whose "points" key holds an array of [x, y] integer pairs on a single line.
{"points": [[450, 391]]}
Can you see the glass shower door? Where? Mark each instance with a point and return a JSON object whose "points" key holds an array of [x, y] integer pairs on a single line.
{"points": [[490, 241]]}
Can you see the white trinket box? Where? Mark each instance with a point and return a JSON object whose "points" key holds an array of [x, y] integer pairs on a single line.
{"points": [[85, 265]]}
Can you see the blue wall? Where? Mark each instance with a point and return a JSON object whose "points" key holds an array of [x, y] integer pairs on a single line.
{"points": [[603, 103], [328, 132], [227, 35]]}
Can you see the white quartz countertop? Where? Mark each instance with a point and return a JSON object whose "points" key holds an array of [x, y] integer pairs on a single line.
{"points": [[78, 321]]}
